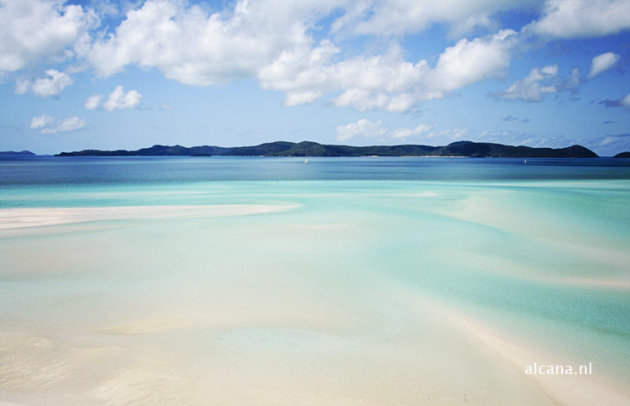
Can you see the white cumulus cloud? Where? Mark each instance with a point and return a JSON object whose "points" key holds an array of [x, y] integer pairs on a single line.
{"points": [[385, 82], [300, 48], [50, 125], [583, 18], [118, 99], [468, 62], [538, 83], [68, 124], [198, 48], [93, 102], [273, 41], [49, 85], [31, 30], [41, 121], [602, 63], [625, 102]]}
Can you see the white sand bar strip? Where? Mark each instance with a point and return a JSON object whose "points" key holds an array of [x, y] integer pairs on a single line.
{"points": [[46, 216]]}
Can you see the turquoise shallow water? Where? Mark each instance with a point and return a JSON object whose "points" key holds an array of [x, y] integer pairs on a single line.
{"points": [[540, 251]]}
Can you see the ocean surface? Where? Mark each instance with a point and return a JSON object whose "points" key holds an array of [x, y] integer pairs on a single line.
{"points": [[320, 281]]}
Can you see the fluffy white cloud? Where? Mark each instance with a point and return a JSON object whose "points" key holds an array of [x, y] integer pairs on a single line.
{"points": [[468, 62], [533, 87], [303, 73], [34, 29], [583, 18], [539, 83], [41, 121], [68, 124], [49, 85], [273, 43], [50, 125], [387, 81], [116, 100], [194, 47], [93, 102], [625, 102], [366, 82], [603, 62], [368, 129]]}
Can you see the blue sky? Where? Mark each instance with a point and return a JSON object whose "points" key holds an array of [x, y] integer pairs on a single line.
{"points": [[129, 74]]}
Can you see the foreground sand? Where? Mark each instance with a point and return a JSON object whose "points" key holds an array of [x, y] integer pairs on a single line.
{"points": [[437, 358], [269, 336]]}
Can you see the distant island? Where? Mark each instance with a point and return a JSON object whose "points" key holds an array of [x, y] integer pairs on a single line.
{"points": [[16, 153], [313, 149], [623, 155]]}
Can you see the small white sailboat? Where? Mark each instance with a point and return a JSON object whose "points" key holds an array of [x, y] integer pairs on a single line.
{"points": [[306, 162]]}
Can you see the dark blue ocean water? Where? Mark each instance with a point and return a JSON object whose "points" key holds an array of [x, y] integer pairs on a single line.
{"points": [[123, 170]]}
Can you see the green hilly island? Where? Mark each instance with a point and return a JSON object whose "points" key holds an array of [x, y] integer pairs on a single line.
{"points": [[314, 149]]}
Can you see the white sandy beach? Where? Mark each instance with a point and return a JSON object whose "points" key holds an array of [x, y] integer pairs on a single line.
{"points": [[423, 353]]}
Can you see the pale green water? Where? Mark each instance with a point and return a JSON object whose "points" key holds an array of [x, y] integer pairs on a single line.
{"points": [[546, 261]]}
